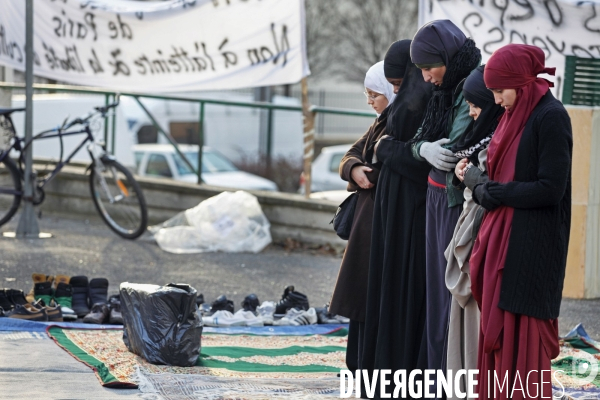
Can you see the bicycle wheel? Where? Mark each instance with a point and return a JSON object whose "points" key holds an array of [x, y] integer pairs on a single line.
{"points": [[10, 190], [119, 200]]}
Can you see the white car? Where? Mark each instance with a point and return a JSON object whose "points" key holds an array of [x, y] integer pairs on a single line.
{"points": [[326, 170], [161, 160]]}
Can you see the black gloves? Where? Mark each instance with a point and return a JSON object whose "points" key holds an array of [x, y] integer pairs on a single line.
{"points": [[487, 194]]}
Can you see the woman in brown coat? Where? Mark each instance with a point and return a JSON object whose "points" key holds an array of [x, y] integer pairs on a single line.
{"points": [[350, 294]]}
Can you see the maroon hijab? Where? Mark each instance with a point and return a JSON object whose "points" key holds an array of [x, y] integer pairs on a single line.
{"points": [[514, 66]]}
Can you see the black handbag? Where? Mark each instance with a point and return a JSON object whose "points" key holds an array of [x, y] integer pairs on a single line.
{"points": [[342, 220]]}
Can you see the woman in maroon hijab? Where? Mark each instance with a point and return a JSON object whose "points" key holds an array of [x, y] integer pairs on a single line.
{"points": [[519, 258]]}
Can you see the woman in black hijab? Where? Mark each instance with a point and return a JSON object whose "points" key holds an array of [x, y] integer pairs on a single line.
{"points": [[446, 57], [393, 336]]}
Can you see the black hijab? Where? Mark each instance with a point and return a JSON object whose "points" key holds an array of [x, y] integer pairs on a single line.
{"points": [[478, 138], [442, 43], [406, 112]]}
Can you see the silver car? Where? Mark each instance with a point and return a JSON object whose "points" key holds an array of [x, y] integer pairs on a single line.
{"points": [[161, 161], [326, 170]]}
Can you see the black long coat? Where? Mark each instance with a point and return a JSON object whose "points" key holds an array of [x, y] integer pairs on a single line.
{"points": [[395, 317]]}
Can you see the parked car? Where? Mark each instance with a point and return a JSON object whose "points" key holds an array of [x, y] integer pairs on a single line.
{"points": [[161, 160], [326, 170]]}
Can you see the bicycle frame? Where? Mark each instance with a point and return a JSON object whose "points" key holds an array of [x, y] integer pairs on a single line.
{"points": [[20, 145]]}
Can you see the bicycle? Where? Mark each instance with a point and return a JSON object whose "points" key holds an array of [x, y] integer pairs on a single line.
{"points": [[116, 194]]}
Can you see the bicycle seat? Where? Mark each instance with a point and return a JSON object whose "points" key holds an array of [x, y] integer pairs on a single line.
{"points": [[8, 111]]}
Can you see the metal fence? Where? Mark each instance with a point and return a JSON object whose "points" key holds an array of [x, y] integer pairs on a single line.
{"points": [[109, 127]]}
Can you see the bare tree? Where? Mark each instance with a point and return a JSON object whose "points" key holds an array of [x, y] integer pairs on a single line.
{"points": [[346, 37]]}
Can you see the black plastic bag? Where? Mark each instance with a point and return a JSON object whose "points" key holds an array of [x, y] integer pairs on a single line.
{"points": [[160, 323]]}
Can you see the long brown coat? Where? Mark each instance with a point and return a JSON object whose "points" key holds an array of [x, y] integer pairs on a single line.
{"points": [[350, 294]]}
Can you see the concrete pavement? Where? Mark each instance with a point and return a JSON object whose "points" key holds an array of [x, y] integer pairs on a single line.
{"points": [[33, 367]]}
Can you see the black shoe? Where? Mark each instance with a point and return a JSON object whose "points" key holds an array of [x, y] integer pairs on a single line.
{"points": [[79, 286], [16, 297], [221, 303], [114, 304], [98, 291], [250, 303], [5, 303], [291, 299], [98, 315], [43, 290], [199, 299], [28, 312]]}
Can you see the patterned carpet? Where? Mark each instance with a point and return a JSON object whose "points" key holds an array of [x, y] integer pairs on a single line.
{"points": [[269, 366], [246, 366]]}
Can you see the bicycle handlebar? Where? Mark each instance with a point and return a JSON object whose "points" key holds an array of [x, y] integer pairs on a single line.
{"points": [[102, 110], [105, 108]]}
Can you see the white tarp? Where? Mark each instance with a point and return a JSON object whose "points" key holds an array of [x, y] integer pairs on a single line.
{"points": [[560, 28], [168, 46]]}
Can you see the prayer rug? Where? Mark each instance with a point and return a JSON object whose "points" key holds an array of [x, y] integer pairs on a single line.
{"points": [[252, 365]]}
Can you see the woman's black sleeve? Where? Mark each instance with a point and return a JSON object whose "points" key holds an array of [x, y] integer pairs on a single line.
{"points": [[398, 156]]}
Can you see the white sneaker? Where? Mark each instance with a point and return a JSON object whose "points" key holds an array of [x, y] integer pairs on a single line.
{"points": [[249, 317], [68, 314], [266, 311], [287, 319], [225, 318], [308, 317]]}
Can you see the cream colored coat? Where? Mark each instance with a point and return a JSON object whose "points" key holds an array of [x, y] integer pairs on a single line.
{"points": [[463, 330]]}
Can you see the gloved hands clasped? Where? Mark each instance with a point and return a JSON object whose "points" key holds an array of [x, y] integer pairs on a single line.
{"points": [[483, 194], [441, 158]]}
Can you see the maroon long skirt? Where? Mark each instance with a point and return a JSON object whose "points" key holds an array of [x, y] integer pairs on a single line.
{"points": [[515, 350]]}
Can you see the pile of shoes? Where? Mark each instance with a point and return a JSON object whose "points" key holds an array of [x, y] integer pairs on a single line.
{"points": [[291, 309], [62, 298], [90, 301], [13, 304]]}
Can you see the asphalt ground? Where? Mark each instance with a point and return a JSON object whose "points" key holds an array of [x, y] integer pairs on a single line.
{"points": [[37, 368]]}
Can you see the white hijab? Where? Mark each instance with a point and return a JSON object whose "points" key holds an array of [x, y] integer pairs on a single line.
{"points": [[375, 81]]}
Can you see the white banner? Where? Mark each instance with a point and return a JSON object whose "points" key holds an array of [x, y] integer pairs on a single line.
{"points": [[560, 28], [175, 45]]}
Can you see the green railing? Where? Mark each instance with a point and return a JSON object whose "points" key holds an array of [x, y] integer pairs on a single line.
{"points": [[110, 95]]}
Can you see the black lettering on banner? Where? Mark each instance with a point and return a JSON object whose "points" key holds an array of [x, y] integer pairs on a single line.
{"points": [[586, 23], [141, 66], [263, 54], [285, 44], [179, 57], [212, 64], [119, 66], [95, 63], [561, 50], [530, 12], [89, 20], [539, 42], [579, 51], [121, 28], [485, 45], [70, 62], [473, 15], [595, 47], [502, 5], [9, 48], [66, 27], [160, 63], [554, 12], [230, 57], [521, 36]]}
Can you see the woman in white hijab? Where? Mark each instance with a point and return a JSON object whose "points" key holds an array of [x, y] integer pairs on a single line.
{"points": [[350, 293]]}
